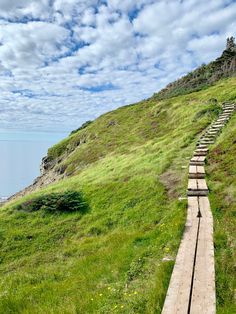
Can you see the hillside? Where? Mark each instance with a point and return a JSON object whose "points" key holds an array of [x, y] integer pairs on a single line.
{"points": [[204, 76], [115, 254]]}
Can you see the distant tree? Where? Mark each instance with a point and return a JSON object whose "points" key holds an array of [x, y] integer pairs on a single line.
{"points": [[230, 45]]}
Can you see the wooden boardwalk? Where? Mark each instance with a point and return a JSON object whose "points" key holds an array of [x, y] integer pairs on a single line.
{"points": [[192, 285]]}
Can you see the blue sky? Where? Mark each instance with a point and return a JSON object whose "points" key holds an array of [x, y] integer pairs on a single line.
{"points": [[63, 62]]}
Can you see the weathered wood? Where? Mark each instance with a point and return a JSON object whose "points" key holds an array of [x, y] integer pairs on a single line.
{"points": [[197, 187], [196, 172], [209, 136], [197, 296], [222, 120], [202, 184], [202, 146], [224, 116], [197, 161], [177, 298], [221, 125], [192, 184], [229, 111], [200, 153], [218, 127], [229, 106], [206, 142], [203, 293]]}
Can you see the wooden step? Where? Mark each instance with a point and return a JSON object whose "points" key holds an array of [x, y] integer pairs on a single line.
{"points": [[222, 120], [197, 187], [229, 105], [202, 146], [217, 127], [205, 141], [203, 289], [228, 111], [199, 153], [196, 172], [210, 136], [177, 298], [198, 160], [220, 125], [224, 115]]}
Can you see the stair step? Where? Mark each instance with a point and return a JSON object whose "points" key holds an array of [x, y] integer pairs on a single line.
{"points": [[197, 187], [196, 172]]}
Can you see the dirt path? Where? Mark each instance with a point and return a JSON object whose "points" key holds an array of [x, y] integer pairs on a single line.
{"points": [[192, 284]]}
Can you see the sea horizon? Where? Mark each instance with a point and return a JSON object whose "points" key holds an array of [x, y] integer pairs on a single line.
{"points": [[21, 155]]}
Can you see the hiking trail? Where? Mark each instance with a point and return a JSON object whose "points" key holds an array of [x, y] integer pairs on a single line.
{"points": [[192, 284]]}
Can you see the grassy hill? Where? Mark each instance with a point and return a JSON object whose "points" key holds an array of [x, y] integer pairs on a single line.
{"points": [[202, 77], [124, 174]]}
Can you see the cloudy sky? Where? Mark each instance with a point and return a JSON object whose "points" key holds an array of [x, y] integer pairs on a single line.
{"points": [[66, 61]]}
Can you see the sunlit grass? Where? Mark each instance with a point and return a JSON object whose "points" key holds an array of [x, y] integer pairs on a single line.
{"points": [[110, 259]]}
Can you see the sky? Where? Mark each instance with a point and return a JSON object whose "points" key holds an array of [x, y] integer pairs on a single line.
{"points": [[63, 62]]}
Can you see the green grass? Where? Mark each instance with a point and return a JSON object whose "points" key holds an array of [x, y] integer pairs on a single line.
{"points": [[128, 166]]}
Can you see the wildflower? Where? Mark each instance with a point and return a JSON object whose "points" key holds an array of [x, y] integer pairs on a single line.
{"points": [[135, 292], [91, 299], [100, 294], [122, 306]]}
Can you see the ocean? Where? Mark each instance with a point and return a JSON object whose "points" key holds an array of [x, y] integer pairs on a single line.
{"points": [[20, 157]]}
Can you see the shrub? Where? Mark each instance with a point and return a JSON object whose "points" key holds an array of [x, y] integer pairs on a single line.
{"points": [[83, 126], [69, 201]]}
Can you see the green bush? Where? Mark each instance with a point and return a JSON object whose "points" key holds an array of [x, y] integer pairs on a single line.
{"points": [[83, 126], [69, 201]]}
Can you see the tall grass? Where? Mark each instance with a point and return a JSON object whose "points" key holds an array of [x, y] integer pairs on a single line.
{"points": [[118, 257]]}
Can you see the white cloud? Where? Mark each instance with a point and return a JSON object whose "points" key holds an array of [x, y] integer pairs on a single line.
{"points": [[31, 44], [66, 61]]}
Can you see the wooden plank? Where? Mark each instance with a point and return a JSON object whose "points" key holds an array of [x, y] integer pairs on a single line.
{"points": [[196, 163], [222, 120], [202, 150], [226, 115], [220, 125], [198, 160], [197, 187], [195, 158], [201, 158], [229, 105], [196, 172], [206, 142], [177, 297], [209, 136], [192, 184], [192, 169], [229, 111], [200, 169], [203, 295], [200, 153], [201, 183]]}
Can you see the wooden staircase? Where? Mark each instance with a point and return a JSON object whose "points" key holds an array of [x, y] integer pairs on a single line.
{"points": [[192, 285]]}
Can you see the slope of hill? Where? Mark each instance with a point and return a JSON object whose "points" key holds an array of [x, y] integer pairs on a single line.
{"points": [[130, 166]]}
